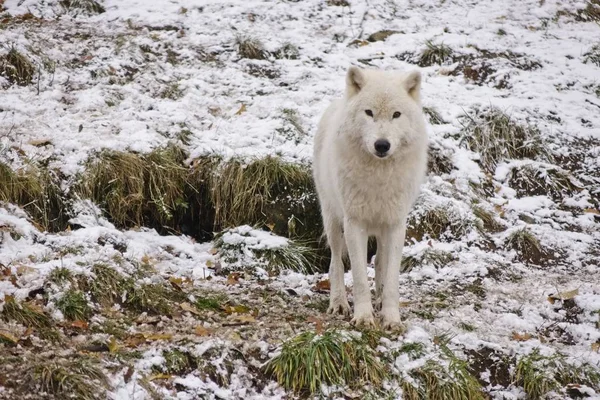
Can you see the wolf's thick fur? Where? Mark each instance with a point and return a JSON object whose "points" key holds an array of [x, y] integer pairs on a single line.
{"points": [[367, 192]]}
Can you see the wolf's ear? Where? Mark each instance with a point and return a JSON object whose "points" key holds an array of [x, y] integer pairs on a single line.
{"points": [[412, 84], [355, 81]]}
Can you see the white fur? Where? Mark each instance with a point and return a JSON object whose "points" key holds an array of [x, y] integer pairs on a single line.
{"points": [[363, 194]]}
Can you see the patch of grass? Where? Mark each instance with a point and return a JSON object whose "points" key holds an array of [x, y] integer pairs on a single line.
{"points": [[172, 92], [138, 190], [78, 378], [107, 286], [593, 55], [287, 52], [527, 246], [332, 358], [435, 381], [501, 32], [538, 375], [153, 298], [439, 162], [252, 48], [534, 179], [467, 327], [177, 362], [338, 3], [25, 314], [591, 12], [60, 276], [435, 118], [497, 137], [434, 54], [433, 257], [244, 247], [292, 129], [36, 189], [380, 36], [260, 191], [414, 350], [74, 305], [438, 222], [16, 67], [486, 220], [210, 303]]}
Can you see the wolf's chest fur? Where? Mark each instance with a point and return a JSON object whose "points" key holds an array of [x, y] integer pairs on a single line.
{"points": [[378, 192]]}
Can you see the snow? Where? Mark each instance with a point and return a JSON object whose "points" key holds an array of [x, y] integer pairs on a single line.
{"points": [[105, 93]]}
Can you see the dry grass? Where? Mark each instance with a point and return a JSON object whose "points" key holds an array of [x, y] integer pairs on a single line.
{"points": [[527, 246], [497, 137], [593, 55], [486, 220], [84, 6], [438, 222], [37, 190], [439, 161], [435, 258], [77, 378], [535, 179], [435, 118], [138, 190], [252, 48], [241, 192], [333, 358], [244, 255], [16, 67]]}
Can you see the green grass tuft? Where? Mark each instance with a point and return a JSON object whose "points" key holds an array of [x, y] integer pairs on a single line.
{"points": [[60, 276], [434, 54], [210, 303], [497, 137], [74, 305], [25, 314], [435, 118], [332, 358], [177, 362]]}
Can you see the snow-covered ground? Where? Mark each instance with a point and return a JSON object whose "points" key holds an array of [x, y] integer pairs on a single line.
{"points": [[136, 76]]}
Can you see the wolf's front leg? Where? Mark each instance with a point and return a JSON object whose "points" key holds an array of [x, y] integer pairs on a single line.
{"points": [[338, 303], [356, 240], [392, 244]]}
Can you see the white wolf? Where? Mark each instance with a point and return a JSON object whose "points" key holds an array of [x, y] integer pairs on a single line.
{"points": [[370, 158]]}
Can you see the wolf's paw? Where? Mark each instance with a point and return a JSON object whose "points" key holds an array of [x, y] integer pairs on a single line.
{"points": [[364, 319], [390, 319], [339, 306]]}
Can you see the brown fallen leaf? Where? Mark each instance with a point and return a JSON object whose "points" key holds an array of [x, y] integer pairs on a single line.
{"points": [[79, 324], [128, 374], [233, 278], [201, 331], [157, 336], [323, 286], [241, 110], [318, 323], [591, 211], [190, 308], [520, 337], [596, 347]]}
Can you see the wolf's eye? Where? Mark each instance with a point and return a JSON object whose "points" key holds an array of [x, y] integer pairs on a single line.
{"points": [[369, 113], [397, 114]]}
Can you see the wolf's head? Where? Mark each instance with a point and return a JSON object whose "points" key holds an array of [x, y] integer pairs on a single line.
{"points": [[384, 112]]}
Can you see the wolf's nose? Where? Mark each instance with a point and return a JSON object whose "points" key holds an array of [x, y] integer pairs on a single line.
{"points": [[382, 146]]}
